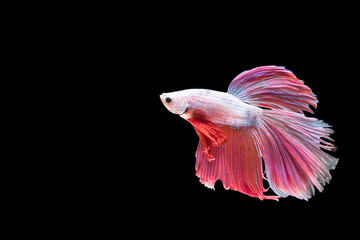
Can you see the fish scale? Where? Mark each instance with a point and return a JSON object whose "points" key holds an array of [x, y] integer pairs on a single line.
{"points": [[222, 108]]}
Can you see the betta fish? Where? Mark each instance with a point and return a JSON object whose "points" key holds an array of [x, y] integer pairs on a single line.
{"points": [[258, 131]]}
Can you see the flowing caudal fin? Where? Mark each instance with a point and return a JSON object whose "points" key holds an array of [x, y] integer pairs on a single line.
{"points": [[290, 145], [273, 87], [237, 164]]}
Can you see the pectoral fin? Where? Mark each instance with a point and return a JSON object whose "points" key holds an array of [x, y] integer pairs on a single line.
{"points": [[209, 133]]}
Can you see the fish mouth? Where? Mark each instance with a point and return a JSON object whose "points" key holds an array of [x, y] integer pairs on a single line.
{"points": [[162, 97]]}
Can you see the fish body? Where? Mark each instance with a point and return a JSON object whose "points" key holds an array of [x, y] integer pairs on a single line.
{"points": [[259, 117], [222, 108]]}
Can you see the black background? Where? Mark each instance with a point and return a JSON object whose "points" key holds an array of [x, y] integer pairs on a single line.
{"points": [[113, 159], [141, 158], [183, 60]]}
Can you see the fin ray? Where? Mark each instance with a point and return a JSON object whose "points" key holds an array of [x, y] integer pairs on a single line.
{"points": [[209, 133], [290, 144], [237, 164], [273, 87]]}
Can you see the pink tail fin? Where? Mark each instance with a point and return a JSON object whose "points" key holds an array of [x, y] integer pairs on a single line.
{"points": [[237, 164], [290, 145]]}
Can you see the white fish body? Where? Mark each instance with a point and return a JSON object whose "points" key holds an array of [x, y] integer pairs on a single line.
{"points": [[222, 108]]}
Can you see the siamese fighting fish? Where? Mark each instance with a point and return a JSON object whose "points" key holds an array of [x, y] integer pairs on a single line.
{"points": [[257, 131]]}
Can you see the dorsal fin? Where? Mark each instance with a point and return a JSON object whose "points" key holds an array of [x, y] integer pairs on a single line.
{"points": [[273, 87]]}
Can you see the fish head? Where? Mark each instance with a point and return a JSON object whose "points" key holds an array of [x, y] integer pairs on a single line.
{"points": [[175, 102]]}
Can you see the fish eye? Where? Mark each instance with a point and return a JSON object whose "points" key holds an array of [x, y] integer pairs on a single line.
{"points": [[168, 100]]}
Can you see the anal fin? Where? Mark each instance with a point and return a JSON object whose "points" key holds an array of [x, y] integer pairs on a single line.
{"points": [[238, 164]]}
